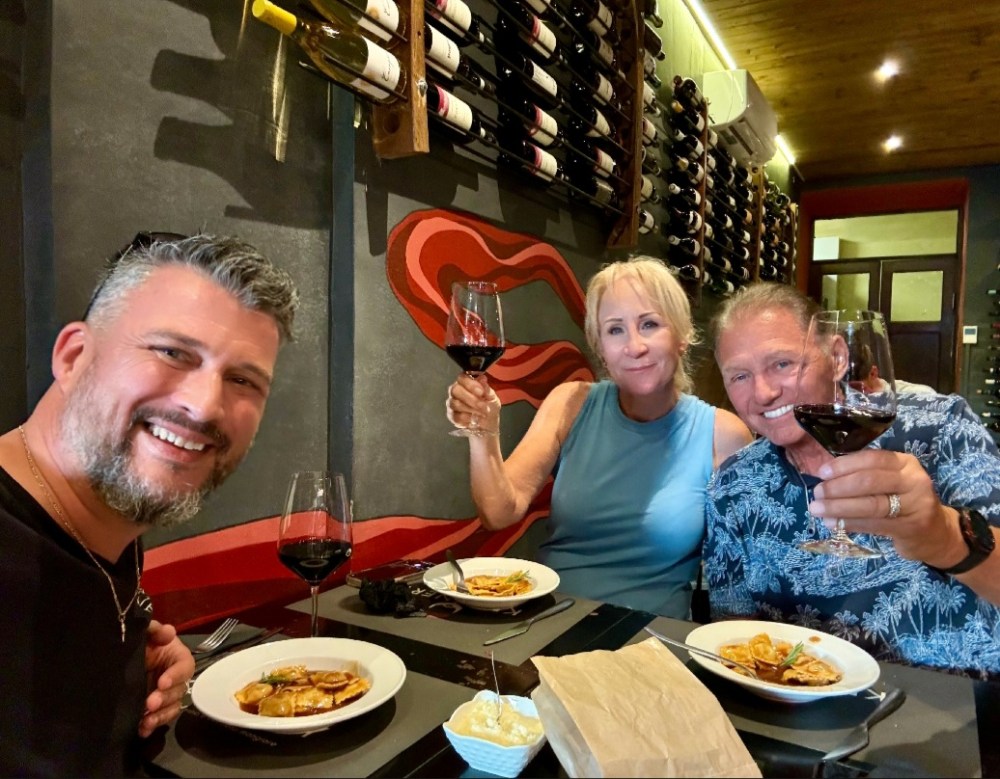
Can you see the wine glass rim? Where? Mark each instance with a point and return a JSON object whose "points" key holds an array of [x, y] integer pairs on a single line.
{"points": [[478, 286]]}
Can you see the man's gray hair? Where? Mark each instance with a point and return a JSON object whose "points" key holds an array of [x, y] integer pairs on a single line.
{"points": [[757, 297], [234, 265]]}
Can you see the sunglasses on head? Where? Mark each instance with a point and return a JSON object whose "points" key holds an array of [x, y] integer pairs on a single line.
{"points": [[142, 240]]}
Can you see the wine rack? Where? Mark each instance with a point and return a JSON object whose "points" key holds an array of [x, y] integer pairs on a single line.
{"points": [[401, 130]]}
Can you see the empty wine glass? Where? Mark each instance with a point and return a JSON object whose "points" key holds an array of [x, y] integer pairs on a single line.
{"points": [[314, 537], [859, 403], [474, 335]]}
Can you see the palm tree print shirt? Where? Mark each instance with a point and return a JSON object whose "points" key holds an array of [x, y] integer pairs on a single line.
{"points": [[898, 610]]}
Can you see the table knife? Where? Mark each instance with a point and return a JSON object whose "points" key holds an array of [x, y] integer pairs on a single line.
{"points": [[858, 738], [523, 626]]}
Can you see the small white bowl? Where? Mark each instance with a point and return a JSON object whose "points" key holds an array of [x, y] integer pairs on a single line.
{"points": [[484, 755]]}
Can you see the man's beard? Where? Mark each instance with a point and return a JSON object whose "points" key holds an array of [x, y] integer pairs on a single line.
{"points": [[109, 464]]}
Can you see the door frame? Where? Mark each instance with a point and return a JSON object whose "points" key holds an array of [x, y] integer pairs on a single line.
{"points": [[901, 198]]}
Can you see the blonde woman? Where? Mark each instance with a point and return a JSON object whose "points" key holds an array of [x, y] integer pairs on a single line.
{"points": [[631, 454]]}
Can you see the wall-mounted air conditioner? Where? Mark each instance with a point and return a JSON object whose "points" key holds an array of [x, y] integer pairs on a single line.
{"points": [[740, 115]]}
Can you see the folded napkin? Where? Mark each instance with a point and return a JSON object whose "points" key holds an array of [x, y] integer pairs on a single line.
{"points": [[637, 711], [240, 634]]}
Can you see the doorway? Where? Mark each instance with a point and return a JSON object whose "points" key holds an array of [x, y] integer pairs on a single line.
{"points": [[918, 282], [917, 297]]}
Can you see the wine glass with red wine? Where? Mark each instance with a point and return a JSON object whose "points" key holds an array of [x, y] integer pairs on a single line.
{"points": [[474, 336], [860, 401], [314, 537]]}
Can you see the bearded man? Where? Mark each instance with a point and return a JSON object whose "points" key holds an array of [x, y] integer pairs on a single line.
{"points": [[156, 398]]}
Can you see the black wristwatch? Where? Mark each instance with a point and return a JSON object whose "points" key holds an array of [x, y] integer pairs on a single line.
{"points": [[978, 535]]}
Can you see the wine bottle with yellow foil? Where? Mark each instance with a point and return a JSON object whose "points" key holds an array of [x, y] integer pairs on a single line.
{"points": [[332, 49], [375, 16]]}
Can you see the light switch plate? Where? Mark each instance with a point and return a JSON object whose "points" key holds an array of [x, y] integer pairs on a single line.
{"points": [[970, 334]]}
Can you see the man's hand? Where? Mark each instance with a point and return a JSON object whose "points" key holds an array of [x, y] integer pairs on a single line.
{"points": [[169, 667]]}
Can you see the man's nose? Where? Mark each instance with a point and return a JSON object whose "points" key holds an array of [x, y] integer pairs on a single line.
{"points": [[765, 390], [201, 395]]}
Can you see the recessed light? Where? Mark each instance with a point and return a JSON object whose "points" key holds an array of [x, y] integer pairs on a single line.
{"points": [[892, 143], [888, 69], [785, 149]]}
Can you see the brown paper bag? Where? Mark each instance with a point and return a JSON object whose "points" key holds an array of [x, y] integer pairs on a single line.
{"points": [[635, 712]]}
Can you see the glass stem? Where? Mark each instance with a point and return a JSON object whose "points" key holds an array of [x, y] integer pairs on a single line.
{"points": [[313, 625]]}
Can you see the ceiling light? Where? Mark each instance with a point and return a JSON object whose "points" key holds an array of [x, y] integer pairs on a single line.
{"points": [[888, 69], [710, 32], [783, 147], [892, 143]]}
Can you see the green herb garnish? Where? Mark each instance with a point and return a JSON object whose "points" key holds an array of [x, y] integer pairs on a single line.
{"points": [[274, 679], [792, 656]]}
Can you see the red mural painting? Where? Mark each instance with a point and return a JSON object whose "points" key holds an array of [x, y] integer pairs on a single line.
{"points": [[197, 579], [429, 250]]}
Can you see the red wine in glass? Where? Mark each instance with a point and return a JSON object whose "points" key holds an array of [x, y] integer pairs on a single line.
{"points": [[314, 536], [474, 335], [845, 358]]}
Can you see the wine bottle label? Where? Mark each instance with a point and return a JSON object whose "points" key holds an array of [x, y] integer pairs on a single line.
{"points": [[603, 163], [602, 21], [544, 128], [647, 188], [648, 64], [648, 130], [603, 193], [539, 6], [541, 39], [454, 13], [380, 66], [605, 52], [601, 126], [442, 52], [454, 110], [386, 13], [604, 91], [543, 79], [648, 96], [646, 221], [545, 165]]}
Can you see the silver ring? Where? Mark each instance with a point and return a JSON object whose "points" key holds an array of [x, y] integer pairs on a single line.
{"points": [[894, 506]]}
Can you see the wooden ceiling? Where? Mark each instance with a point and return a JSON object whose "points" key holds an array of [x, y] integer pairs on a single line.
{"points": [[815, 60]]}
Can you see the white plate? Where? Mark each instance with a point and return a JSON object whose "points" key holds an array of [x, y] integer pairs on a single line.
{"points": [[860, 669], [213, 692], [544, 580]]}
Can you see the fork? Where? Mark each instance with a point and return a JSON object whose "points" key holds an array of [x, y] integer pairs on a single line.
{"points": [[460, 576], [704, 653], [216, 637]]}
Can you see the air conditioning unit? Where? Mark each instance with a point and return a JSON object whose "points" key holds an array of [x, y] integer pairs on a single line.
{"points": [[740, 115]]}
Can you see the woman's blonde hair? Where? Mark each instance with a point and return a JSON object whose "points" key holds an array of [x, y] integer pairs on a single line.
{"points": [[653, 279]]}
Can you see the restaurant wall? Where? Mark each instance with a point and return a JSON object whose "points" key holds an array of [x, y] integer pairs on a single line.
{"points": [[165, 115]]}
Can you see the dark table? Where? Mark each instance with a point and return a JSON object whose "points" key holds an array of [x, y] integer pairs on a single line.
{"points": [[949, 725]]}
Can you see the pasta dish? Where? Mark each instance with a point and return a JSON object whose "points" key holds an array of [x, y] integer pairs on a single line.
{"points": [[295, 691], [516, 583]]}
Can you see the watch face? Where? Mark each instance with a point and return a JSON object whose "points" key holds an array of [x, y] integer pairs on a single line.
{"points": [[977, 531]]}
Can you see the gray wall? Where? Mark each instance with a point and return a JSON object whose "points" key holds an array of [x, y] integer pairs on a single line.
{"points": [[164, 118]]}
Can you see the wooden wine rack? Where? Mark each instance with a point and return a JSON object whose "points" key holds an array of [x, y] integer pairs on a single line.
{"points": [[400, 129]]}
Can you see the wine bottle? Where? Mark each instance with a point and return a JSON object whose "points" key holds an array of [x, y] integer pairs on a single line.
{"points": [[688, 122], [994, 371], [650, 104], [649, 71], [520, 25], [649, 164], [529, 158], [590, 122], [651, 11], [688, 145], [687, 93], [462, 120], [444, 56], [647, 191], [360, 13], [649, 135], [457, 17], [690, 168], [545, 9], [332, 49], [652, 42], [586, 154], [589, 44], [521, 69], [769, 273], [593, 15], [540, 126], [646, 221], [685, 243], [686, 219], [721, 286], [689, 272], [688, 197], [592, 84], [596, 188]]}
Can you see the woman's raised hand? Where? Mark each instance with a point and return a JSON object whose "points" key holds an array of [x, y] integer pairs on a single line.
{"points": [[471, 396]]}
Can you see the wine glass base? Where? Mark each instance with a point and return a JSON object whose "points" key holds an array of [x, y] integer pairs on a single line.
{"points": [[472, 432], [838, 548]]}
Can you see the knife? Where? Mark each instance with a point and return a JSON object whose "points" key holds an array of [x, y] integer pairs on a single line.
{"points": [[523, 626], [857, 739]]}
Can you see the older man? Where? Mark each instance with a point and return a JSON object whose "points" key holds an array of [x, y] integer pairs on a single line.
{"points": [[156, 399], [926, 494]]}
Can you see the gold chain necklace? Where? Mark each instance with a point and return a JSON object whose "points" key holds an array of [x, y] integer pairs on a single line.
{"points": [[64, 521]]}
